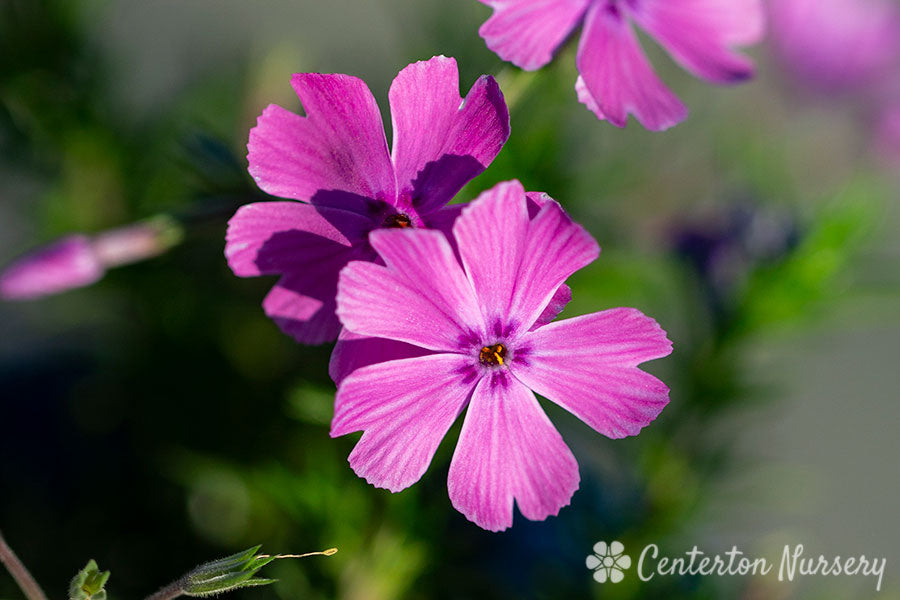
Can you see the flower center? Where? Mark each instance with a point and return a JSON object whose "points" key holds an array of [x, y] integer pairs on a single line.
{"points": [[397, 221], [492, 356]]}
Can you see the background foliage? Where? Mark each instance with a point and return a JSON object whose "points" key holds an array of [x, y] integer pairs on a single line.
{"points": [[159, 419]]}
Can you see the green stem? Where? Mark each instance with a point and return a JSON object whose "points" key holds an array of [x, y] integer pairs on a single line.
{"points": [[23, 578]]}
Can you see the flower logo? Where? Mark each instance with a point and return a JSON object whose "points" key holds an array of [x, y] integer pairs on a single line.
{"points": [[608, 562]]}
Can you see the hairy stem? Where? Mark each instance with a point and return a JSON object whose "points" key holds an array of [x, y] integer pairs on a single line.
{"points": [[23, 578], [173, 590]]}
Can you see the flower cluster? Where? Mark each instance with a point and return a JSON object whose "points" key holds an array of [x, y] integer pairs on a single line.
{"points": [[439, 310], [615, 78]]}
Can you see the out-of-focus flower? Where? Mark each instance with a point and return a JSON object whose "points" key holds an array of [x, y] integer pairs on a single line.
{"points": [[615, 77], [476, 321], [336, 162], [888, 133], [78, 260], [725, 247], [831, 46]]}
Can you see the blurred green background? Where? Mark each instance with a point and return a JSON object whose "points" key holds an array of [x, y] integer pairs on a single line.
{"points": [[158, 419]]}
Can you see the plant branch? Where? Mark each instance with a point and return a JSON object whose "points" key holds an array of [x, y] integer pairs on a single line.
{"points": [[23, 578]]}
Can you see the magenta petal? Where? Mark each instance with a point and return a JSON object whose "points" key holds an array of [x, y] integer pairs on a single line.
{"points": [[421, 297], [65, 264], [509, 450], [267, 238], [527, 32], [555, 248], [491, 234], [404, 408], [334, 155], [441, 141], [308, 245], [617, 75], [353, 351], [699, 33], [303, 308], [557, 303], [588, 365], [516, 265]]}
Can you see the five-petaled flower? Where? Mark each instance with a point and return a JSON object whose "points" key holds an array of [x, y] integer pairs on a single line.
{"points": [[336, 162], [608, 562], [615, 77], [474, 321]]}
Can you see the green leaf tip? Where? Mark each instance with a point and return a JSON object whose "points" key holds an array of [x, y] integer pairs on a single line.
{"points": [[88, 583]]}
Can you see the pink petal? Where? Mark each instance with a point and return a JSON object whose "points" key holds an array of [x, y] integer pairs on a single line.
{"points": [[267, 238], [353, 351], [422, 296], [491, 234], [527, 32], [557, 303], [404, 408], [588, 365], [303, 307], [440, 141], [516, 265], [67, 263], [699, 33], [616, 77], [509, 450], [336, 155], [563, 295], [308, 245]]}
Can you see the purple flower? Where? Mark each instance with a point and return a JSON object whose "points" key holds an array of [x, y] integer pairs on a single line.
{"points": [[888, 133], [837, 45], [336, 161], [77, 261], [472, 320], [615, 77], [68, 263]]}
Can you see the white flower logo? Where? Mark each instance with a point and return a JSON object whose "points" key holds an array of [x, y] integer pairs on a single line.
{"points": [[608, 562]]}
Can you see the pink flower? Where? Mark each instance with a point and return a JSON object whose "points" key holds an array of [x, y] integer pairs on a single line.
{"points": [[336, 161], [888, 133], [615, 77], [77, 261], [474, 323], [837, 45]]}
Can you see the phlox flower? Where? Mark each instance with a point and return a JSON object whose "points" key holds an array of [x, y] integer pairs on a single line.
{"points": [[615, 76], [837, 45], [471, 313], [336, 162], [79, 260]]}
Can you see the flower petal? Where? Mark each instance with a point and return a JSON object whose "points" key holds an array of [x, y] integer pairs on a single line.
{"points": [[421, 297], [509, 450], [307, 244], [404, 408], [588, 365], [67, 263], [441, 141], [353, 351], [515, 265], [698, 33], [616, 76], [303, 307], [267, 238], [336, 155], [527, 32]]}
